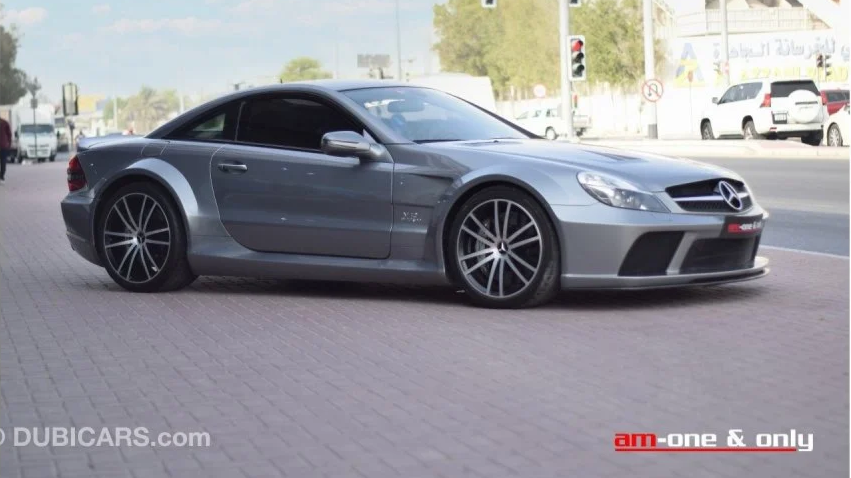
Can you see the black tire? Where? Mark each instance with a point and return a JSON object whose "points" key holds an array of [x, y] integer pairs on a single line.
{"points": [[550, 134], [706, 131], [174, 272], [749, 131], [834, 136], [545, 282], [813, 139], [52, 158]]}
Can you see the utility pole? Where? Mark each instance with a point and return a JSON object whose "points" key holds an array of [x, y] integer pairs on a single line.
{"points": [[398, 45], [650, 66], [725, 51], [565, 60]]}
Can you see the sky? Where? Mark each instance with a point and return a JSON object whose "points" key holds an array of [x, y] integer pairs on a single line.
{"points": [[114, 47]]}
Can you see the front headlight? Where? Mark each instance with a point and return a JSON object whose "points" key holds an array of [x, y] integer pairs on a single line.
{"points": [[618, 193]]}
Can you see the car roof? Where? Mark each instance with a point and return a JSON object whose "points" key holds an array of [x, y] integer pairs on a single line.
{"points": [[327, 86]]}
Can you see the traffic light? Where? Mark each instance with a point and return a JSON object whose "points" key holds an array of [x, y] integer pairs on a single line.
{"points": [[819, 60], [577, 58], [827, 69], [489, 3]]}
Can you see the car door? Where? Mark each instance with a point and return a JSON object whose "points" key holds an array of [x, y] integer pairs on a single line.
{"points": [[278, 192], [723, 119]]}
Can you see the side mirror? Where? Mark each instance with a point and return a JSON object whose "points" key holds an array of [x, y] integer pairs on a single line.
{"points": [[715, 99], [349, 143]]}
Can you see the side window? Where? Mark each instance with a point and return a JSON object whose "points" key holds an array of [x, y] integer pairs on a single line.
{"points": [[728, 95], [290, 122], [218, 125], [752, 90]]}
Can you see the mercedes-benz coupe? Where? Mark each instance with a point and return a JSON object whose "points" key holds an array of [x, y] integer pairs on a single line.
{"points": [[387, 182]]}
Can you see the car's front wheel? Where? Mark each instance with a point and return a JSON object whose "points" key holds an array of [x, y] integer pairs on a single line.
{"points": [[834, 136], [142, 240], [706, 131], [503, 251]]}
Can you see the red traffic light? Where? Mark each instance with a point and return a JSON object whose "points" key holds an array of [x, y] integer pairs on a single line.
{"points": [[576, 45]]}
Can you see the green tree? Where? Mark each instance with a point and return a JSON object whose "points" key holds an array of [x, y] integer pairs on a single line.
{"points": [[12, 80], [303, 68], [146, 109], [470, 39], [108, 109], [516, 44]]}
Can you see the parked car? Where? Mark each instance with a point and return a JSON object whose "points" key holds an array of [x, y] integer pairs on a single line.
{"points": [[834, 100], [772, 109], [310, 180], [547, 122], [837, 127]]}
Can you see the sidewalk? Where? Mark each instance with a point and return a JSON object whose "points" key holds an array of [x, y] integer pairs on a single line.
{"points": [[731, 148]]}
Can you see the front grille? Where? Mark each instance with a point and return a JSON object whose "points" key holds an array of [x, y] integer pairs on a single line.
{"points": [[713, 206], [704, 196], [719, 255], [650, 254]]}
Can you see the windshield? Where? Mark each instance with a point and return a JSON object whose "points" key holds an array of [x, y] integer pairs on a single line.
{"points": [[423, 115], [36, 128]]}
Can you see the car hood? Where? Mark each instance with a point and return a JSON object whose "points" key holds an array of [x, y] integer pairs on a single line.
{"points": [[650, 172]]}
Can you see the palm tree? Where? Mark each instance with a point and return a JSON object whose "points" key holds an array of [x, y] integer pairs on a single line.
{"points": [[147, 108]]}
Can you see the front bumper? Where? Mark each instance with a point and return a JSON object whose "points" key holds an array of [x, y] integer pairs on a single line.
{"points": [[613, 248]]}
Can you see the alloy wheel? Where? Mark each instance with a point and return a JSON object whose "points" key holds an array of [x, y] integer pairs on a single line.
{"points": [[137, 237], [834, 137], [499, 249]]}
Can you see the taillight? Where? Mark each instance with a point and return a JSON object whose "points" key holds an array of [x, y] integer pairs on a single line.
{"points": [[823, 98], [76, 175], [766, 101]]}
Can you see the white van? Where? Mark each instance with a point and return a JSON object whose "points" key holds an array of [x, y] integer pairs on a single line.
{"points": [[34, 132]]}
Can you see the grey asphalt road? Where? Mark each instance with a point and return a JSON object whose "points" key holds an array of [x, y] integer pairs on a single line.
{"points": [[807, 200]]}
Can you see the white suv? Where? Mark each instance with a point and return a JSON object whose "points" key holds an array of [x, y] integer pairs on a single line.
{"points": [[767, 109]]}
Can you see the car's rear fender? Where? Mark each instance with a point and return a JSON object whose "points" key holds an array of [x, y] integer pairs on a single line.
{"points": [[156, 171]]}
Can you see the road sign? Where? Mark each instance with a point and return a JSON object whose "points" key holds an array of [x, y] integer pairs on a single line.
{"points": [[373, 61], [652, 90], [540, 91]]}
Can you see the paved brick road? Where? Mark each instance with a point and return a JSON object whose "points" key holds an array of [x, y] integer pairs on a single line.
{"points": [[321, 379]]}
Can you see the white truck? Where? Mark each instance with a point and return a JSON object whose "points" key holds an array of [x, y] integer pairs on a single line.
{"points": [[33, 133]]}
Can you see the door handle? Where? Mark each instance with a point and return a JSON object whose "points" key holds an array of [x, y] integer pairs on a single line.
{"points": [[228, 167]]}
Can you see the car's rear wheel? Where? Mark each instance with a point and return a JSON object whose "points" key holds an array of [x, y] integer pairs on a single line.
{"points": [[813, 139], [749, 131], [142, 240], [834, 136], [706, 130], [551, 134], [503, 251]]}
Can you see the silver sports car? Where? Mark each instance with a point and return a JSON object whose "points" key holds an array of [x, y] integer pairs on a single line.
{"points": [[384, 182]]}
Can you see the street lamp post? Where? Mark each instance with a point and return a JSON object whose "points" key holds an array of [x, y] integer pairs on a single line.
{"points": [[398, 45], [724, 48], [33, 87], [650, 66]]}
